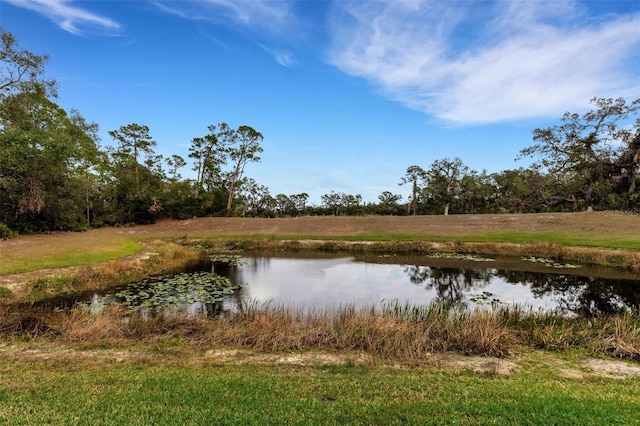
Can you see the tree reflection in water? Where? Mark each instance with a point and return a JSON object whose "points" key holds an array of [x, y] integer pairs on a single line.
{"points": [[579, 295], [451, 284], [585, 296]]}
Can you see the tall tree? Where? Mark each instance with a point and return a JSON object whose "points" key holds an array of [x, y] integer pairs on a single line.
{"points": [[300, 201], [21, 70], [351, 203], [138, 178], [284, 205], [91, 159], [521, 191], [175, 162], [243, 147], [134, 140], [444, 178], [332, 201], [477, 192], [601, 148], [255, 198], [38, 151], [209, 154], [416, 176], [389, 203]]}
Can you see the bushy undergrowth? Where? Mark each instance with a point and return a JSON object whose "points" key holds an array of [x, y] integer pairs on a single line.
{"points": [[402, 333], [5, 232]]}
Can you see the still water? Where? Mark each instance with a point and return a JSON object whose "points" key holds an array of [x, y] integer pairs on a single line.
{"points": [[318, 281], [330, 280]]}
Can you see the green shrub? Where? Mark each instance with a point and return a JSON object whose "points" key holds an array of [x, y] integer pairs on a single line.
{"points": [[5, 232]]}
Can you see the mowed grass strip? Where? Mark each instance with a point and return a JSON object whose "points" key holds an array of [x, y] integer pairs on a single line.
{"points": [[628, 241], [37, 393], [61, 250]]}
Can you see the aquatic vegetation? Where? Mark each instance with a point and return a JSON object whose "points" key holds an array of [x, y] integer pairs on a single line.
{"points": [[460, 256], [549, 262], [180, 290], [486, 298], [215, 253]]}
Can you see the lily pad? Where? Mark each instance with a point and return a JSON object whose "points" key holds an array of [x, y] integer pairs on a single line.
{"points": [[459, 256], [549, 262], [177, 291]]}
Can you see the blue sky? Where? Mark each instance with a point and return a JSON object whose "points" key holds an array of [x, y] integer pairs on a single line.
{"points": [[347, 94]]}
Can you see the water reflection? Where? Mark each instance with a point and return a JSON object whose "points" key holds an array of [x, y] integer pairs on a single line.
{"points": [[331, 281], [452, 285], [322, 280], [582, 295], [568, 294]]}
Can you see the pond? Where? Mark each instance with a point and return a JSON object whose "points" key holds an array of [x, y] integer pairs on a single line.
{"points": [[314, 279]]}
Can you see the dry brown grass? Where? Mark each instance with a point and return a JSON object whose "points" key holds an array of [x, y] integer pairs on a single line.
{"points": [[81, 326], [406, 335], [161, 258], [618, 337]]}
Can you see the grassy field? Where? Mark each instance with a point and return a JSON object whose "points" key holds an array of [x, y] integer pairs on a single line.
{"points": [[598, 230], [278, 366], [65, 249], [168, 384], [103, 392]]}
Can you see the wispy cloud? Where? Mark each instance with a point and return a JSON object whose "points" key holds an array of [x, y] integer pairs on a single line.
{"points": [[281, 56], [260, 15], [66, 15], [263, 18], [473, 63]]}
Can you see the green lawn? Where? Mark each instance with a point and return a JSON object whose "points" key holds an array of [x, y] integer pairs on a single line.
{"points": [[65, 251], [63, 393], [603, 240]]}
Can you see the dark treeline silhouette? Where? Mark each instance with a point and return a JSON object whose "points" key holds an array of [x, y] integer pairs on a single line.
{"points": [[55, 175]]}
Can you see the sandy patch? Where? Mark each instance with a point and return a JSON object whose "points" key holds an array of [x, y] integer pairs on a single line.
{"points": [[48, 352], [243, 357], [480, 364], [612, 368]]}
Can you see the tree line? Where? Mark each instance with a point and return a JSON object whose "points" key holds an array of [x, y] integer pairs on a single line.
{"points": [[55, 175]]}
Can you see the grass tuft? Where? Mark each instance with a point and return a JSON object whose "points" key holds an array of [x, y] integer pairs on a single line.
{"points": [[5, 293]]}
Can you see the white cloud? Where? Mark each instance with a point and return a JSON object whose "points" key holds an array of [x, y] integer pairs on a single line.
{"points": [[469, 63], [281, 56], [67, 16], [263, 15]]}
